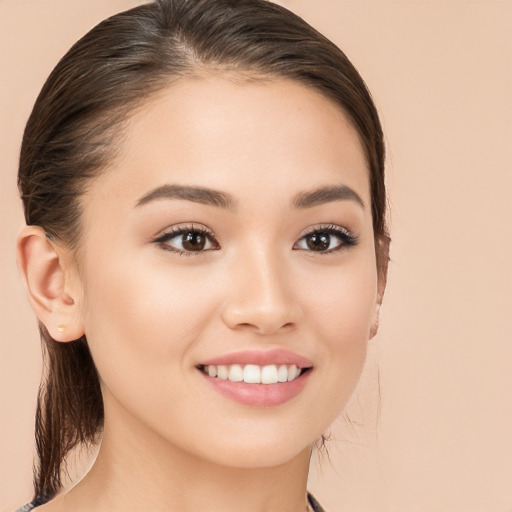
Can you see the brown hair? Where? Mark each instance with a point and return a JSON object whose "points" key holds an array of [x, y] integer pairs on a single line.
{"points": [[74, 130]]}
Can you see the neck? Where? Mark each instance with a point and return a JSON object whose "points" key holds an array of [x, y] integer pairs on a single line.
{"points": [[137, 470]]}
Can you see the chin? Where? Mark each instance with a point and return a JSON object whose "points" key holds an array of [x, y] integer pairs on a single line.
{"points": [[261, 456], [264, 449]]}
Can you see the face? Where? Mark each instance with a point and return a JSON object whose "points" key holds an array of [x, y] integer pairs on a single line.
{"points": [[232, 237]]}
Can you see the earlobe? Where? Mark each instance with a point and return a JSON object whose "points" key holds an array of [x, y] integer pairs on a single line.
{"points": [[43, 268], [382, 277], [381, 288], [375, 323]]}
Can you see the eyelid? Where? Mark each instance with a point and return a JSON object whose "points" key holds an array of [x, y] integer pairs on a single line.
{"points": [[178, 228], [325, 227], [344, 234], [174, 231], [348, 239]]}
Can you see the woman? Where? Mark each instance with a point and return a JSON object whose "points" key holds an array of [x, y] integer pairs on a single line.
{"points": [[206, 251]]}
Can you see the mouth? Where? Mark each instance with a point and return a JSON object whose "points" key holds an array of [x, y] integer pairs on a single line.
{"points": [[253, 373], [256, 378]]}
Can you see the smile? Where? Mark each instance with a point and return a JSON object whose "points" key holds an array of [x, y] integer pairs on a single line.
{"points": [[258, 378], [254, 374]]}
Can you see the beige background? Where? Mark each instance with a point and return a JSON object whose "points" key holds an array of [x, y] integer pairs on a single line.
{"points": [[441, 75]]}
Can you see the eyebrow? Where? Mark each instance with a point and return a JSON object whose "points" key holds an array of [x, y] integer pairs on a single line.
{"points": [[326, 194], [204, 195], [196, 194]]}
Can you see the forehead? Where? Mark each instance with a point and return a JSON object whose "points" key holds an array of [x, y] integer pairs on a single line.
{"points": [[240, 137]]}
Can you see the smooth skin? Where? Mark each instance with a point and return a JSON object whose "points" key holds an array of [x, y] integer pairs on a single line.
{"points": [[151, 315]]}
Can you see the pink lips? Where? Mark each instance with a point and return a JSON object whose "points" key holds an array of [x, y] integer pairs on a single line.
{"points": [[276, 356], [260, 395]]}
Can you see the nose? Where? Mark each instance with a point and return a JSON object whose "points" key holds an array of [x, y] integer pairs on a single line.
{"points": [[261, 296]]}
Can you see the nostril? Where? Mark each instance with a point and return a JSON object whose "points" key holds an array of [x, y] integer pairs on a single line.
{"points": [[261, 316]]}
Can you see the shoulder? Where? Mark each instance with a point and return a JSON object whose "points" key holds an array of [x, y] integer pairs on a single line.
{"points": [[25, 508], [315, 506], [33, 504]]}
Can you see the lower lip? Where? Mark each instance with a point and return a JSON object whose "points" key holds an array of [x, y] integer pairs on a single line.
{"points": [[259, 395]]}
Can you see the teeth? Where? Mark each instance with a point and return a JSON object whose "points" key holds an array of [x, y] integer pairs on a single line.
{"points": [[254, 374], [222, 372], [293, 372], [236, 373], [269, 374], [282, 373]]}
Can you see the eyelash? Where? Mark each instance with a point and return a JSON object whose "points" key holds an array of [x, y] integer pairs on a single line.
{"points": [[174, 232], [347, 239]]}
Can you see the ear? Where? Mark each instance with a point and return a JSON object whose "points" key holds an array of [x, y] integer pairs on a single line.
{"points": [[52, 283], [382, 278]]}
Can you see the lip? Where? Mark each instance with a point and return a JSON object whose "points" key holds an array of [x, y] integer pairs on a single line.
{"points": [[275, 356], [259, 395]]}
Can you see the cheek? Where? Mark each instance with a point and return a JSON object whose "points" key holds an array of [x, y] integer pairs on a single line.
{"points": [[343, 301], [143, 320], [341, 318]]}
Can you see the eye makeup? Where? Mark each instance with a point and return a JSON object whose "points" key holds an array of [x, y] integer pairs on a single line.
{"points": [[322, 235], [195, 240]]}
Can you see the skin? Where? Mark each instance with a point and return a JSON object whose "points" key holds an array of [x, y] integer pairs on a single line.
{"points": [[171, 442]]}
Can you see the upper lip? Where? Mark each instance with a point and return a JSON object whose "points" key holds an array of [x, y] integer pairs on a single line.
{"points": [[276, 356]]}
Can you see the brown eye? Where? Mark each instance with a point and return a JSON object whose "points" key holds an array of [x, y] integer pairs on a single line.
{"points": [[193, 241], [187, 241], [318, 241], [327, 239]]}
